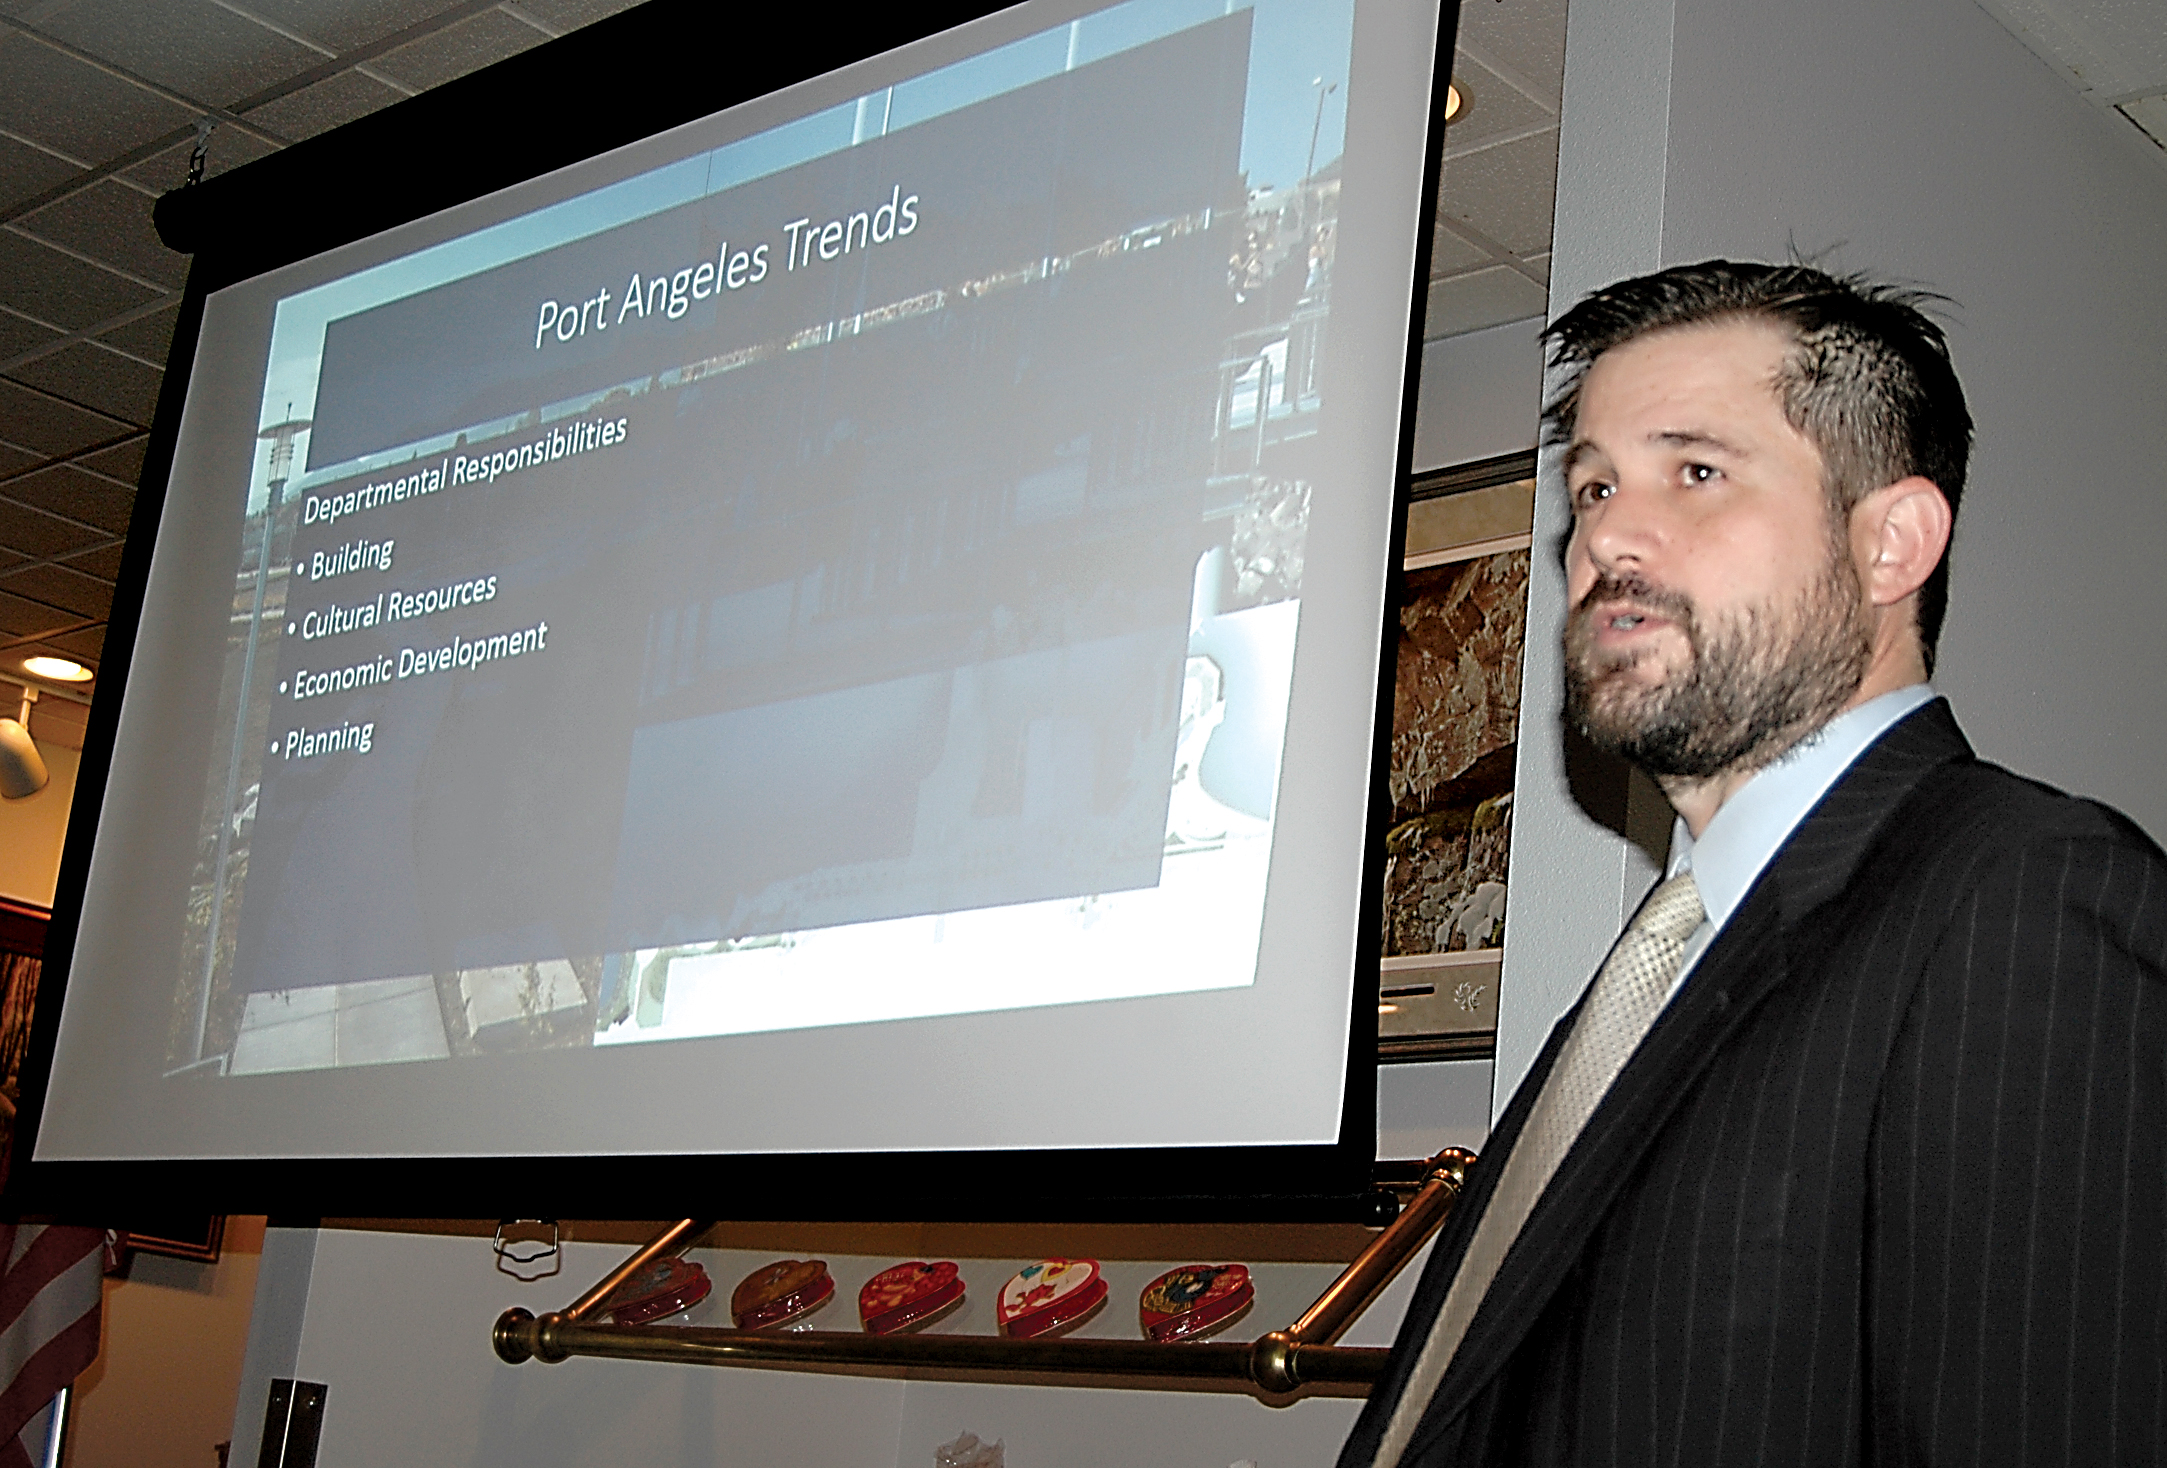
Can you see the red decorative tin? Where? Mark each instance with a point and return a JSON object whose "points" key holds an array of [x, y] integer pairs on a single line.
{"points": [[779, 1293], [908, 1294], [1049, 1296], [1195, 1300], [663, 1288]]}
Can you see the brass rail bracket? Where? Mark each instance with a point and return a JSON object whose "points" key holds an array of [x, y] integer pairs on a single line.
{"points": [[1275, 1366]]}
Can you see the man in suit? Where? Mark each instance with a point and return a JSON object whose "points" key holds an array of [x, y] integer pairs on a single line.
{"points": [[1855, 1150]]}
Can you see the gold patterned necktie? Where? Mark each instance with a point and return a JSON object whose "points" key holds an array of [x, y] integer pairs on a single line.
{"points": [[1629, 992]]}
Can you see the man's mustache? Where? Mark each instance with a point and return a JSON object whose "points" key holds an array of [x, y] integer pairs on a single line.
{"points": [[1640, 592]]}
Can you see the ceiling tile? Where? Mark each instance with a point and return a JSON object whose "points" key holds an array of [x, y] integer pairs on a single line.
{"points": [[1489, 108], [40, 536], [122, 461], [1486, 298], [66, 490], [150, 337], [14, 460], [230, 148], [70, 105], [89, 374], [570, 15], [57, 586], [111, 223], [25, 171], [102, 561], [86, 645], [1506, 192], [2104, 47], [1451, 255], [1528, 36], [2132, 30], [199, 49], [40, 281], [346, 24], [459, 49], [2150, 114], [1540, 264], [18, 336], [11, 558], [21, 617], [324, 106], [44, 425]]}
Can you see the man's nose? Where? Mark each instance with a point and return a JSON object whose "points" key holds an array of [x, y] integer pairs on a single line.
{"points": [[1621, 531]]}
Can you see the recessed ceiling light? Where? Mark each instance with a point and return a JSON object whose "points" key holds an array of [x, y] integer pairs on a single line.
{"points": [[57, 668], [1387, 1008], [1454, 101]]}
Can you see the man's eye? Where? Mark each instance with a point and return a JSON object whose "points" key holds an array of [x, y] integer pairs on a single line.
{"points": [[1596, 490]]}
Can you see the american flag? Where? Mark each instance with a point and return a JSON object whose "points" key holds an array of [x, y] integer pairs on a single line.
{"points": [[50, 1290]]}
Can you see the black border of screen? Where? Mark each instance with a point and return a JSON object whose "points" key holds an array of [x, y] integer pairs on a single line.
{"points": [[392, 167]]}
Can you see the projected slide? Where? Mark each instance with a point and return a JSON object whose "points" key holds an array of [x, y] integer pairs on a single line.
{"points": [[851, 573]]}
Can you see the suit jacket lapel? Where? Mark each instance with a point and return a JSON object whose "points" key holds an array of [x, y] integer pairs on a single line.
{"points": [[1743, 965]]}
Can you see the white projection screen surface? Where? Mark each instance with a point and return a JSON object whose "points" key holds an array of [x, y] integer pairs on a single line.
{"points": [[849, 626]]}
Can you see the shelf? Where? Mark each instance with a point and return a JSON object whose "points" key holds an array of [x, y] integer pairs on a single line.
{"points": [[1276, 1367]]}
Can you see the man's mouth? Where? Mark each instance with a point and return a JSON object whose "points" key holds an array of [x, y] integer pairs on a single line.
{"points": [[1626, 619], [1620, 621]]}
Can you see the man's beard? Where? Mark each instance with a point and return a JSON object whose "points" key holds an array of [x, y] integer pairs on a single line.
{"points": [[1751, 689]]}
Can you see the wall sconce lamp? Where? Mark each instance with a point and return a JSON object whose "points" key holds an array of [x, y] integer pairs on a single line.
{"points": [[22, 768]]}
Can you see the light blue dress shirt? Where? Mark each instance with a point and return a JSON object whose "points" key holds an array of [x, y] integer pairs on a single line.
{"points": [[1753, 824]]}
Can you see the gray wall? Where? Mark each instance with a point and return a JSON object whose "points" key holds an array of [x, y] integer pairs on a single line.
{"points": [[1916, 140], [1480, 395]]}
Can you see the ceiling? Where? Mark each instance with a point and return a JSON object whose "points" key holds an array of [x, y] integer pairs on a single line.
{"points": [[1490, 256]]}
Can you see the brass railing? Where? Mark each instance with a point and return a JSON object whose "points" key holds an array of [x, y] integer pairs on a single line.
{"points": [[1274, 1366]]}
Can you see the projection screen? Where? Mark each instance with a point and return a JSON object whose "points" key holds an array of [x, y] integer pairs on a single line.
{"points": [[849, 627]]}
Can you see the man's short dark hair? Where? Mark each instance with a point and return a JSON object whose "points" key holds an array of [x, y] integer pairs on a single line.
{"points": [[1868, 380]]}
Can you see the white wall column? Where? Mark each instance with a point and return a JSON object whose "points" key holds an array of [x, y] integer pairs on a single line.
{"points": [[1574, 878]]}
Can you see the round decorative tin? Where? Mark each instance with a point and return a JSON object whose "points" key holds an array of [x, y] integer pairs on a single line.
{"points": [[910, 1294], [1195, 1300], [779, 1293], [663, 1288], [1049, 1296]]}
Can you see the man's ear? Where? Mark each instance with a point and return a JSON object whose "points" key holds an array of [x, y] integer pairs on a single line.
{"points": [[1899, 533]]}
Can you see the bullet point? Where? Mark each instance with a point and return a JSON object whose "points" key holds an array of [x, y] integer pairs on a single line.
{"points": [[282, 685], [289, 629], [274, 746]]}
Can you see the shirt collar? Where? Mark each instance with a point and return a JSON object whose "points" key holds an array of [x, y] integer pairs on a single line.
{"points": [[1755, 822]]}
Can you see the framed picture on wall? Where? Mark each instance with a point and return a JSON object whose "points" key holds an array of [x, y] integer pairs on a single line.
{"points": [[22, 960], [197, 1237], [1455, 732]]}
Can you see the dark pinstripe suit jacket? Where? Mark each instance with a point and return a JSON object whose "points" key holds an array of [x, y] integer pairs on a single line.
{"points": [[1886, 1184]]}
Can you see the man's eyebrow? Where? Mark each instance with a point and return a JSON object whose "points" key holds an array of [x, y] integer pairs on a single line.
{"points": [[1688, 438], [1670, 438]]}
